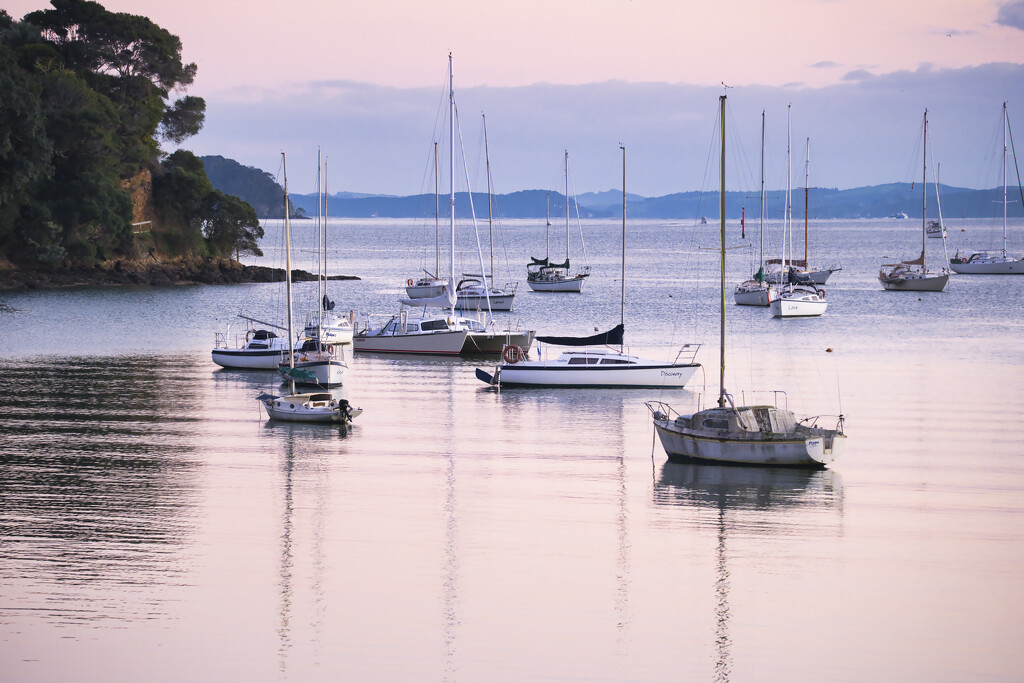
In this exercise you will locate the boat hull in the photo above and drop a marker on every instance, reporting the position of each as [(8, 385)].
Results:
[(424, 291), (993, 267), (241, 359), (498, 302), (486, 343), (322, 372), (447, 343), (535, 373), (796, 308), (811, 451), (750, 296), (309, 408), (567, 285), (917, 284)]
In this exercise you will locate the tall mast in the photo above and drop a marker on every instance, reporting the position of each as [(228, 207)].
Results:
[(451, 168), (288, 268), (319, 222), (567, 206), (490, 229), (924, 186), (787, 217), (622, 298), (761, 263), (437, 221), (1004, 179), (547, 228), (721, 214), (325, 236), (807, 177)]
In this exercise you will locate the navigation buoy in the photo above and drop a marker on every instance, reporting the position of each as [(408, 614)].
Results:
[(828, 350)]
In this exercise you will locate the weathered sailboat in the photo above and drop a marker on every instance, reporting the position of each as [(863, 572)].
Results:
[(758, 434)]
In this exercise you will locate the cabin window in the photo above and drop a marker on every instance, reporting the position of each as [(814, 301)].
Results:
[(412, 327), (431, 325), (390, 327), (584, 360), (256, 345), (716, 423), (614, 361)]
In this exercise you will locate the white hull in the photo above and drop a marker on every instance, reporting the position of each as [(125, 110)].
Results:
[(538, 373), (241, 359), (798, 307), (325, 372), (424, 291), (502, 302), (804, 452), (448, 343), (309, 408), (995, 266), (574, 284)]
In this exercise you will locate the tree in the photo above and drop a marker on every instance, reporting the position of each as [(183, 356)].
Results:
[(183, 119), (231, 225)]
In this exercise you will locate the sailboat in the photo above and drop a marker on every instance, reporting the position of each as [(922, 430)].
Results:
[(796, 299), (756, 291), (430, 285), (473, 292), (258, 349), (590, 362), (308, 407), (544, 275), (986, 262), (759, 434), (418, 331), (913, 276), (324, 324)]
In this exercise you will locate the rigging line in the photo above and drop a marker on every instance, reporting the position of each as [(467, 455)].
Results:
[(472, 210), (579, 225), (1009, 132)]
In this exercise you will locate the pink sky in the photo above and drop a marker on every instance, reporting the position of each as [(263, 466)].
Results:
[(398, 42)]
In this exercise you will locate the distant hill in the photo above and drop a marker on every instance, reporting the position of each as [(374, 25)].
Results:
[(253, 185), (877, 201)]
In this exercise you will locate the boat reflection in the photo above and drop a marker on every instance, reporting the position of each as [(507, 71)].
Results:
[(746, 500)]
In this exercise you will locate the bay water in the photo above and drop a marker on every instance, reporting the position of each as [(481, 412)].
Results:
[(155, 526)]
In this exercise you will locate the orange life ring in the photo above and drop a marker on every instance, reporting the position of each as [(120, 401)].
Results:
[(821, 293), (409, 282), (512, 354)]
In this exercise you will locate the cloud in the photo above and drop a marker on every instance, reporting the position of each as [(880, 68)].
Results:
[(1012, 14), (824, 65), (380, 139)]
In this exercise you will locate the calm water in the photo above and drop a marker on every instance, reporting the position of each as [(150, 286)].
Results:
[(154, 526)]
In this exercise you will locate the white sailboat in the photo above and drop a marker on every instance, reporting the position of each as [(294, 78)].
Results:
[(473, 293), (324, 324), (422, 332), (759, 434), (795, 299), (912, 275), (987, 262), (756, 291), (257, 349), (430, 285), (589, 362), (544, 275), (308, 407)]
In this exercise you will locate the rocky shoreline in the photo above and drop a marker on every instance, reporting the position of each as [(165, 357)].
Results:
[(148, 273)]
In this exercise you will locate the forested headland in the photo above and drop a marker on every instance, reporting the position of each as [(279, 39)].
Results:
[(88, 97)]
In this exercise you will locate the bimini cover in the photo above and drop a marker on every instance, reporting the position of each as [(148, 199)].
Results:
[(611, 337), (545, 263)]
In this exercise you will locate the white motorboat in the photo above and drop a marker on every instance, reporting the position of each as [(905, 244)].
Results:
[(327, 326), (758, 434), (913, 275), (259, 349), (756, 291), (313, 407), (544, 275), (589, 363), (473, 294), (307, 407), (987, 262)]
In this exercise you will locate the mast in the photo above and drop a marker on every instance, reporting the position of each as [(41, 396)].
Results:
[(761, 264), (567, 206), (451, 169), (622, 298), (787, 214), (324, 243), (437, 221), (547, 228), (288, 268), (807, 176), (319, 225), (1004, 179), (721, 214), (924, 187), (490, 228)]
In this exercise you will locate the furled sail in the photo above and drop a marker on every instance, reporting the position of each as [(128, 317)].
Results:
[(611, 337)]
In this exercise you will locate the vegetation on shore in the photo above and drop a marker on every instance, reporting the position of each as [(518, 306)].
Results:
[(88, 97)]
